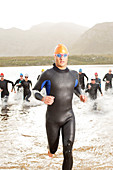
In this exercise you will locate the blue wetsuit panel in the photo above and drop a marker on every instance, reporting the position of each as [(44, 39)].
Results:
[(76, 82), (47, 84)]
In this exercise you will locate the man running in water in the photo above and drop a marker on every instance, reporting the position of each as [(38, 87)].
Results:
[(19, 81), (81, 79), (26, 86), (60, 83), (4, 87), (92, 90), (108, 79), (97, 80)]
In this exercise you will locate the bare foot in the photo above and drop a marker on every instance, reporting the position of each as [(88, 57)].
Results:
[(50, 154)]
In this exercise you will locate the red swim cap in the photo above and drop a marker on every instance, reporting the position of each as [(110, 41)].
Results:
[(96, 74), (2, 75)]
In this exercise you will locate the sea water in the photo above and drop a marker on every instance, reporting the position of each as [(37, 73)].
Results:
[(23, 141)]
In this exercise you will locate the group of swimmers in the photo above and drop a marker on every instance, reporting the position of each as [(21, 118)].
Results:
[(95, 83), (91, 87), (21, 82)]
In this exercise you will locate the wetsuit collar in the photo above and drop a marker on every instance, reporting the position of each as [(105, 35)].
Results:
[(59, 70)]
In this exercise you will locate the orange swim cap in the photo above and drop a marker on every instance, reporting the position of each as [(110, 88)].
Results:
[(61, 49)]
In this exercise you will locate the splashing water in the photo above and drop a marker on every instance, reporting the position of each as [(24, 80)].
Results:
[(23, 140)]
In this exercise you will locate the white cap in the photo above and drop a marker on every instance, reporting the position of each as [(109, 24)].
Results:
[(93, 77), (26, 75)]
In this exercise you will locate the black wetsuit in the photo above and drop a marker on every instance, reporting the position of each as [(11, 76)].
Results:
[(4, 87), (81, 80), (93, 90), (59, 116), (17, 82), (108, 77), (98, 81), (26, 87)]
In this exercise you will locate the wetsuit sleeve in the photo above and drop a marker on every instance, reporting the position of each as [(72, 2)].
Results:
[(39, 85), (77, 89), (16, 82), (86, 76), (104, 78), (100, 83), (87, 90), (11, 83), (31, 83), (99, 89)]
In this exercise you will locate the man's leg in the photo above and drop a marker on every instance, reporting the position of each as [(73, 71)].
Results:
[(27, 96), (110, 86), (4, 102), (106, 87), (83, 86), (6, 99), (68, 135), (53, 134)]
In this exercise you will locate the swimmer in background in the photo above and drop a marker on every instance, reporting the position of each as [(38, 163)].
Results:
[(108, 79), (81, 79), (4, 87), (18, 82), (92, 89), (26, 88), (97, 80)]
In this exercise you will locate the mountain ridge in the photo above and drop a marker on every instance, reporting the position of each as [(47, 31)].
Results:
[(39, 40)]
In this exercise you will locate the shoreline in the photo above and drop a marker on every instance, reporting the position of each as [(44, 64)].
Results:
[(49, 60)]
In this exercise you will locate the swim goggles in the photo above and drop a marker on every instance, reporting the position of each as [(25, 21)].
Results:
[(60, 55)]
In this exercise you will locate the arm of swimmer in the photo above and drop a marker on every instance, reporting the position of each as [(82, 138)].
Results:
[(78, 92), (49, 100)]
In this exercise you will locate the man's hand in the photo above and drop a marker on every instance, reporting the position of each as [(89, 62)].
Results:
[(89, 86), (49, 100), (1, 90), (83, 98), (107, 81)]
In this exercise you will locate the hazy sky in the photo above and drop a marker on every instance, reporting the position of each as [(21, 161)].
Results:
[(26, 13)]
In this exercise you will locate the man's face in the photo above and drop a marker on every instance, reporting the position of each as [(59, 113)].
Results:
[(61, 60), (21, 77), (2, 78), (26, 78), (96, 76), (93, 81), (110, 71)]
